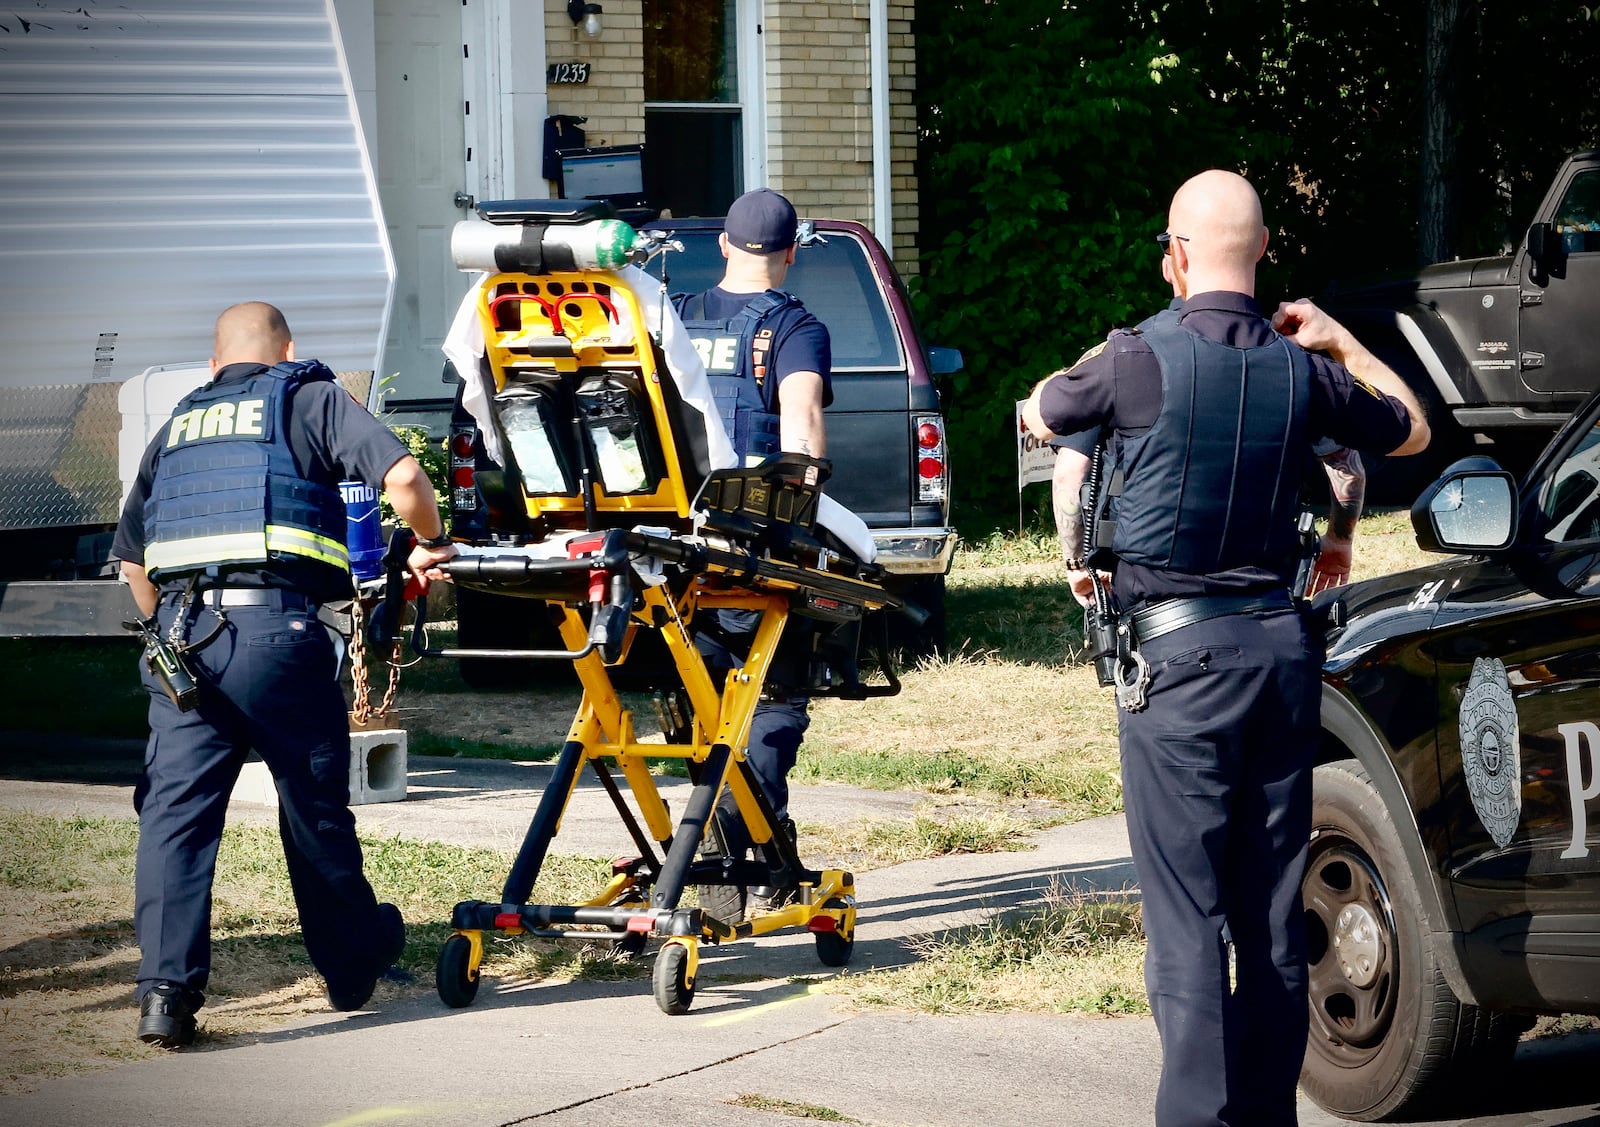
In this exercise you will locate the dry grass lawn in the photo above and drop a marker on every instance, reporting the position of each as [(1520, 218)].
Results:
[(1007, 734)]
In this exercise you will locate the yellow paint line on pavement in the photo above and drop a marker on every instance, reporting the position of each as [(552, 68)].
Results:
[(377, 1115), (799, 996)]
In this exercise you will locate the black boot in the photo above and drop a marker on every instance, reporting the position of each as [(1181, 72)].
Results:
[(768, 897), (166, 1016), (391, 941)]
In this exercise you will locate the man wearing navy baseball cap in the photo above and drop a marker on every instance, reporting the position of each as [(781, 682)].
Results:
[(769, 364), (761, 222)]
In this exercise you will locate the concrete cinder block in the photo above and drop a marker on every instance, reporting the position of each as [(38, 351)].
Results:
[(377, 766), (377, 771)]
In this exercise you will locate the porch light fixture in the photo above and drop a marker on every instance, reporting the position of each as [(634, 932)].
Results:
[(586, 14)]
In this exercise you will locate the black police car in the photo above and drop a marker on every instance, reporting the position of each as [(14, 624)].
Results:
[(1452, 890)]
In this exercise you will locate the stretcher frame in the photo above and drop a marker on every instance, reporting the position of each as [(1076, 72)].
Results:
[(645, 577)]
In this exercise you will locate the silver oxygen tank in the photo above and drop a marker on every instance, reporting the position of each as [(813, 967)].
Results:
[(600, 244)]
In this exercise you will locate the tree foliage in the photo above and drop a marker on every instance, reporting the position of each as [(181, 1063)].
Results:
[(1052, 143), (1053, 135)]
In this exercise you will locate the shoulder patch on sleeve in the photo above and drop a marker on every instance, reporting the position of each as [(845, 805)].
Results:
[(1091, 354), (1365, 386)]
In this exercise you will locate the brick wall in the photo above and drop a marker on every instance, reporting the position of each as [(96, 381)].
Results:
[(613, 98), (819, 108), (819, 102), (903, 134)]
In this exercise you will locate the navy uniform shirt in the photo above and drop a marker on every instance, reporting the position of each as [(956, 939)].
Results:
[(1118, 384), (333, 439), (800, 342)]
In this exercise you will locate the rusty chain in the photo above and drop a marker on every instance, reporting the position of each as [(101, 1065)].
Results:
[(361, 710)]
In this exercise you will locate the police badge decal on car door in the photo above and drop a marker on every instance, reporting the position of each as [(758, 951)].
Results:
[(1491, 757)]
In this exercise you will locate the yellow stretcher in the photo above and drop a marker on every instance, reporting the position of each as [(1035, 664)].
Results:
[(616, 522)]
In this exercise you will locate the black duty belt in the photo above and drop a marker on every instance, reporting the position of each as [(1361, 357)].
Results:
[(279, 598), (1156, 619)]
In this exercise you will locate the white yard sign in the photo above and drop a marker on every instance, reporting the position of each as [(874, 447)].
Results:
[(1036, 461)]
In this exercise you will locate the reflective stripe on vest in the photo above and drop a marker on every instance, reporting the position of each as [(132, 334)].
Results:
[(1214, 484), (226, 489), (244, 547)]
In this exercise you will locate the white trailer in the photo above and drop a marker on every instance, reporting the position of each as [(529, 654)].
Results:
[(159, 161)]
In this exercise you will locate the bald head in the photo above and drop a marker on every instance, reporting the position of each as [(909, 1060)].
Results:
[(251, 332), (1219, 215)]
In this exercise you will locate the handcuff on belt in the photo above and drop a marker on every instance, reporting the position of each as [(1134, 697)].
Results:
[(1132, 671)]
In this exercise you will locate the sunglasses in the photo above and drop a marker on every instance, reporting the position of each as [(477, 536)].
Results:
[(1165, 239)]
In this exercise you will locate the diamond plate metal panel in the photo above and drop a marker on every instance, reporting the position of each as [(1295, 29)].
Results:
[(58, 456)]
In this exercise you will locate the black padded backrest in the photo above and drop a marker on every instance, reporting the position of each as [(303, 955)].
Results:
[(510, 212)]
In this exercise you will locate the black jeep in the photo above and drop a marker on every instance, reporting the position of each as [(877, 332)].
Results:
[(1504, 346)]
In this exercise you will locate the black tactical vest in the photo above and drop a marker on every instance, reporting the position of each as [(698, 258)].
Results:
[(1214, 484), (227, 491)]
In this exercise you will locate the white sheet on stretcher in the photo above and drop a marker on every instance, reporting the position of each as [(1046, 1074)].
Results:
[(463, 346)]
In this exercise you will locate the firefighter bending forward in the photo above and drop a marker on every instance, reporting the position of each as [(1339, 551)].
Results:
[(232, 539), (1218, 715), (769, 364)]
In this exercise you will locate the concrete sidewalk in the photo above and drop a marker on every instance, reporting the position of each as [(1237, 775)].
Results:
[(603, 1053)]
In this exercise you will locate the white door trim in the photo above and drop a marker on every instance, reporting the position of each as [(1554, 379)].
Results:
[(751, 17), (504, 70)]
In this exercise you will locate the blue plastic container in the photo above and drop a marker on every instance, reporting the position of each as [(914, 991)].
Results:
[(363, 534)]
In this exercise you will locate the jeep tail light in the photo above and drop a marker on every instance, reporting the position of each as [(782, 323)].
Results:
[(933, 472), (463, 469)]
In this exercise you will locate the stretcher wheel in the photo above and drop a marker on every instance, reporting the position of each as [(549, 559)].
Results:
[(834, 948), (455, 975), (670, 979)]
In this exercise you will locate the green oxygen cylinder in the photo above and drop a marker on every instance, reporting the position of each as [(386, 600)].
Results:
[(600, 244)]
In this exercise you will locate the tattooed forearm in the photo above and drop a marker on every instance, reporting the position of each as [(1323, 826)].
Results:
[(1069, 527), (1347, 482), (1065, 486)]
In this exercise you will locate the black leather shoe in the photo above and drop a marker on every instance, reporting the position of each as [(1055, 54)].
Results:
[(766, 898), (166, 1017), (391, 942)]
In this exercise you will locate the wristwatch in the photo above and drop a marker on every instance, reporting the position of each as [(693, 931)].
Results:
[(440, 541), (1077, 563)]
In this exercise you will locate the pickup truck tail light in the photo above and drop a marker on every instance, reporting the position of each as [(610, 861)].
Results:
[(933, 470), (463, 469)]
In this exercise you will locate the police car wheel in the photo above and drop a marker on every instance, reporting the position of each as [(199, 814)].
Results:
[(1387, 1034)]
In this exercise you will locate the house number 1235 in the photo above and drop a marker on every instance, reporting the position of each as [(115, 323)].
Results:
[(561, 74)]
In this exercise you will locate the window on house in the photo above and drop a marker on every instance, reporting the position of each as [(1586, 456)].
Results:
[(692, 125)]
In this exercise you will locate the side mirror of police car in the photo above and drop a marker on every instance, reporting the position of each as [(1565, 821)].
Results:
[(1471, 508)]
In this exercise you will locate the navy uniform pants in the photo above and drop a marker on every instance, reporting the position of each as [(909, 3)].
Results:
[(1216, 777), (778, 726), (268, 682)]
